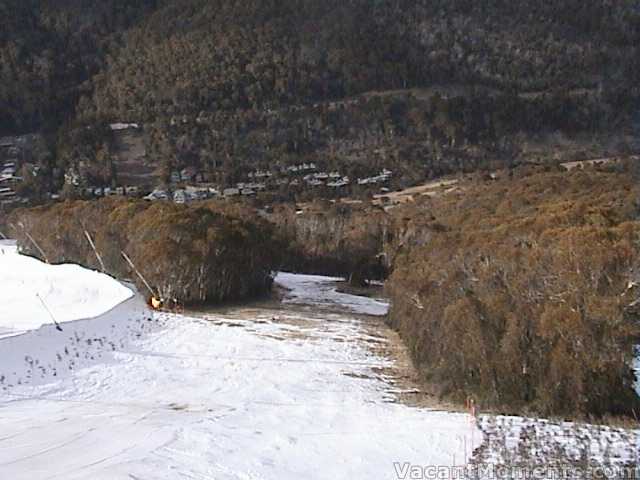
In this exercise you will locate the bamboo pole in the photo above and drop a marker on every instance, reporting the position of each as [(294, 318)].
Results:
[(58, 327), (44, 255), (95, 250), (126, 257)]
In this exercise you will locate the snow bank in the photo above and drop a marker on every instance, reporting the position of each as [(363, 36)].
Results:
[(321, 291), (8, 246), (70, 292), (47, 355)]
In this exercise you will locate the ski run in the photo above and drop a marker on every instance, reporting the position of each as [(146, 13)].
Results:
[(249, 393)]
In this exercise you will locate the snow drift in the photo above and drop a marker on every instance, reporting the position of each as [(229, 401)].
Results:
[(28, 287)]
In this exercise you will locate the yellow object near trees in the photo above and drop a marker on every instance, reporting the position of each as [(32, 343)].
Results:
[(156, 303)]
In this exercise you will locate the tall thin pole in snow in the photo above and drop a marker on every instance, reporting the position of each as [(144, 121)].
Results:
[(44, 255), (126, 257), (31, 239), (95, 250), (58, 327)]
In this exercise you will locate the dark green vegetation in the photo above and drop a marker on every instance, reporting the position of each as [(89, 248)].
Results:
[(196, 254), (422, 87)]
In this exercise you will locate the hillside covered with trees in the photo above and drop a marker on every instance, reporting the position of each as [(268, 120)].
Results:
[(422, 87), (518, 285)]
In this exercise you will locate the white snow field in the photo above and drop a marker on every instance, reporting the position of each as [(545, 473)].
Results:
[(314, 291), (28, 287), (247, 394)]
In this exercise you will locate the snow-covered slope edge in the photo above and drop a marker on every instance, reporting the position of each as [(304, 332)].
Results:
[(44, 355), (98, 315), (32, 292)]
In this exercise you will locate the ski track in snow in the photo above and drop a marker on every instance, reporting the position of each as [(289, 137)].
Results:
[(254, 394), (317, 291)]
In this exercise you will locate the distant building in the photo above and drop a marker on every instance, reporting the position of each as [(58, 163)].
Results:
[(7, 180), (180, 196), (187, 174), (231, 192), (116, 127), (157, 194), (343, 182), (197, 193), (383, 177)]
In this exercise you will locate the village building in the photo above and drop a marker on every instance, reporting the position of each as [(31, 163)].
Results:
[(231, 192), (7, 195), (180, 196), (197, 193), (343, 182), (116, 127), (157, 194), (187, 174)]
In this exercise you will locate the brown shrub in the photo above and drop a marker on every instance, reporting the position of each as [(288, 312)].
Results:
[(524, 305), (196, 254)]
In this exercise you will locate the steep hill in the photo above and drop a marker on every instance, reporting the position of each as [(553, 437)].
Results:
[(427, 87)]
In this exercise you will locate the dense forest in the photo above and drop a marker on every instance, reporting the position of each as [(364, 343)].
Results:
[(518, 288), (523, 290), (425, 87), (204, 254)]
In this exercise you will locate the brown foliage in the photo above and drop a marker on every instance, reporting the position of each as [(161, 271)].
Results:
[(334, 239), (197, 254), (521, 299)]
